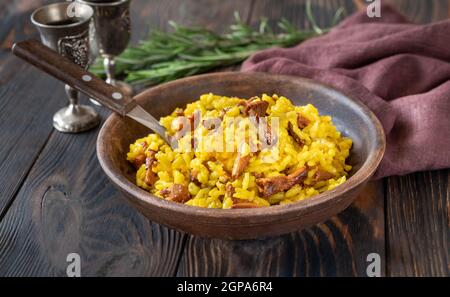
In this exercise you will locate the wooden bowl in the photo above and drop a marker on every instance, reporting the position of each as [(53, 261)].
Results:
[(350, 116)]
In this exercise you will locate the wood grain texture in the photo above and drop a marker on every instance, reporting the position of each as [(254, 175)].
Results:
[(56, 210), (422, 11), (337, 247), (67, 206), (416, 11), (418, 208), (21, 86), (295, 11), (15, 16), (214, 15)]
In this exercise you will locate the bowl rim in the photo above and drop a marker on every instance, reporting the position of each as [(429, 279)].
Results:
[(254, 216)]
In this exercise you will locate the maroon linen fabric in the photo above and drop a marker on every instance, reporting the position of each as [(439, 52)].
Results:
[(400, 70)]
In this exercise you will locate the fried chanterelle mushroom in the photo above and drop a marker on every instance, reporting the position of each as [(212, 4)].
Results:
[(272, 185)]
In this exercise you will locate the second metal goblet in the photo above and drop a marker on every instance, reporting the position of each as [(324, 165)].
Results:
[(111, 35), (69, 36)]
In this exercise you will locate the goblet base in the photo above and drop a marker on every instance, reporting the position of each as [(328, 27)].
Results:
[(75, 119)]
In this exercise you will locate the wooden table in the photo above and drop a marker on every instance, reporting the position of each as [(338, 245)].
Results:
[(55, 199)]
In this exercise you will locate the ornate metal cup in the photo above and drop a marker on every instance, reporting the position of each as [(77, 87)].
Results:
[(112, 30), (69, 35)]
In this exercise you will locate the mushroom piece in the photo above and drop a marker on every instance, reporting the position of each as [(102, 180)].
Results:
[(150, 176), (272, 185), (177, 193), (269, 137), (255, 107), (322, 175), (302, 122), (193, 177), (139, 160), (229, 190), (240, 163), (294, 135)]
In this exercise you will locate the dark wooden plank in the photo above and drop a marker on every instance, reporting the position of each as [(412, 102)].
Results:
[(215, 15), (27, 102), (25, 123), (66, 204), (422, 11), (28, 249), (337, 247), (418, 224), (15, 21), (295, 11), (417, 11)]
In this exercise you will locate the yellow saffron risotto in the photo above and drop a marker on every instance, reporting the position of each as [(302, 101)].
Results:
[(223, 165)]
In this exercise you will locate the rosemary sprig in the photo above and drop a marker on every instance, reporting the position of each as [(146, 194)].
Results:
[(192, 50)]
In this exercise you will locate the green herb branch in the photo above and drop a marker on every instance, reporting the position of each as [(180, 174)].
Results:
[(192, 50)]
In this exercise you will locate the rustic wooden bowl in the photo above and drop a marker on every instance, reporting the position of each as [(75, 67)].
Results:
[(351, 117)]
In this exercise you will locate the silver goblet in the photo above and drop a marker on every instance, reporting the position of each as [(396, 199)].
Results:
[(111, 35), (69, 36)]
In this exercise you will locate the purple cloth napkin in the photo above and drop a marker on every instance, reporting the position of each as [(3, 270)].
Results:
[(400, 70)]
